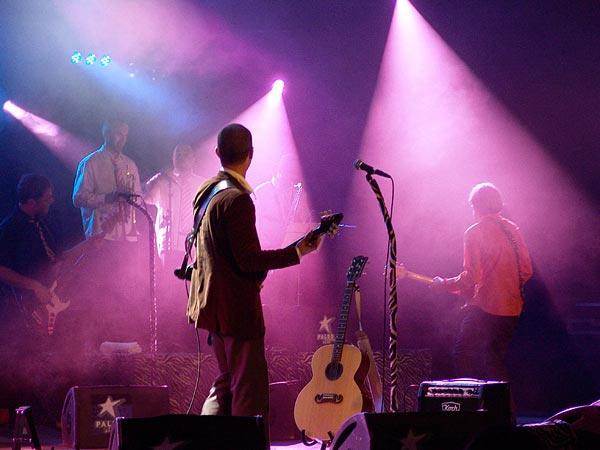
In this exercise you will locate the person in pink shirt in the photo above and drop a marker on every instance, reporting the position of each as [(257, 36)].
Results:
[(496, 266)]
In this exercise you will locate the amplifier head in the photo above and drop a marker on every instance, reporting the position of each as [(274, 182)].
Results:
[(466, 394)]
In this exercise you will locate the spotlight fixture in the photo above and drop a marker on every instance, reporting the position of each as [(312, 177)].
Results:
[(76, 57), (16, 111), (90, 59), (105, 60), (278, 87)]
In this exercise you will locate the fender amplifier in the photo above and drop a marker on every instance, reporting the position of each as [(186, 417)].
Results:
[(466, 394)]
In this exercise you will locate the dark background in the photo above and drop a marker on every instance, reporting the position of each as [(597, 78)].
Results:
[(541, 59)]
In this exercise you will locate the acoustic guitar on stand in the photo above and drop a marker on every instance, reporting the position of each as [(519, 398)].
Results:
[(336, 390)]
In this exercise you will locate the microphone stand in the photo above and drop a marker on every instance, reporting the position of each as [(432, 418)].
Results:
[(392, 300), (153, 309)]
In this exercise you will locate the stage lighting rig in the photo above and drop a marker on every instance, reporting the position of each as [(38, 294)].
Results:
[(91, 59)]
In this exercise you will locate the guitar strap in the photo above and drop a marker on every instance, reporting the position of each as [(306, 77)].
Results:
[(513, 244), (184, 272), (364, 345)]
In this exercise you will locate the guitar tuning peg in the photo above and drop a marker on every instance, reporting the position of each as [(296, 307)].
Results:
[(366, 269)]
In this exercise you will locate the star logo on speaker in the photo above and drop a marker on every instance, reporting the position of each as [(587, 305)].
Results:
[(411, 441), (110, 407), (167, 445)]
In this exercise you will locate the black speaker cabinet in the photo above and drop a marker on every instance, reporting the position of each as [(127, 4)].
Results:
[(465, 394), (281, 416), (89, 411), (189, 432), (412, 430)]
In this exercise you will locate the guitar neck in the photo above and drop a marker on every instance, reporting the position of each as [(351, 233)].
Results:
[(340, 335), (326, 223), (418, 277)]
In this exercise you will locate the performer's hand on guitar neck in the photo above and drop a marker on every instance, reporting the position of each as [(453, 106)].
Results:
[(438, 285), (308, 244)]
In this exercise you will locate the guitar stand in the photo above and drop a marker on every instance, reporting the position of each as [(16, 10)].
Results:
[(310, 442), (25, 432)]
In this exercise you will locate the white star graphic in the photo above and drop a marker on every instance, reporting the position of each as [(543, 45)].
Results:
[(108, 407), (410, 442), (326, 324), (166, 445)]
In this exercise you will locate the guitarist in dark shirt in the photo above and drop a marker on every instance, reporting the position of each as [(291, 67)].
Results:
[(36, 271), (27, 248), (28, 253)]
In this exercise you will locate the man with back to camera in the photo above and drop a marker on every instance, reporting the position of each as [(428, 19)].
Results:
[(496, 266), (228, 273)]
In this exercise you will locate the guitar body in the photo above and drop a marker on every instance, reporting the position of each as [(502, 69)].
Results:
[(65, 274), (45, 315), (326, 402)]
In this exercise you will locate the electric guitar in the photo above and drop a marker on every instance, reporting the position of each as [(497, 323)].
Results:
[(44, 315), (335, 391), (50, 310)]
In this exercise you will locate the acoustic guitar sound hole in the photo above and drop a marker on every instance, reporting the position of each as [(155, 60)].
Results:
[(334, 371)]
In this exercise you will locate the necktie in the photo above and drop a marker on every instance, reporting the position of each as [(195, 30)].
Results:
[(49, 252), (119, 173)]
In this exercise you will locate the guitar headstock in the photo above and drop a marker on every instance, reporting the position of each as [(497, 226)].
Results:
[(356, 268), (329, 223)]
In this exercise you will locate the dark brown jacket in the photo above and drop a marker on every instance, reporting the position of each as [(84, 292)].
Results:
[(230, 265)]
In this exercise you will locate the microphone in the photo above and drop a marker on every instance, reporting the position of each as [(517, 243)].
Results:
[(359, 165)]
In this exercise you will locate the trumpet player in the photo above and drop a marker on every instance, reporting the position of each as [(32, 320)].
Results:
[(105, 180)]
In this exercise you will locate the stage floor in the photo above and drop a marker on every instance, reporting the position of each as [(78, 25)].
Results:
[(50, 438)]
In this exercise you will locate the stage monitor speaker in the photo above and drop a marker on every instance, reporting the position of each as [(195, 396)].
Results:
[(466, 394), (89, 411), (411, 430), (533, 436), (189, 432)]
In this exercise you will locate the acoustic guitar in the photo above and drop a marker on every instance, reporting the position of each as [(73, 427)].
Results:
[(335, 391)]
